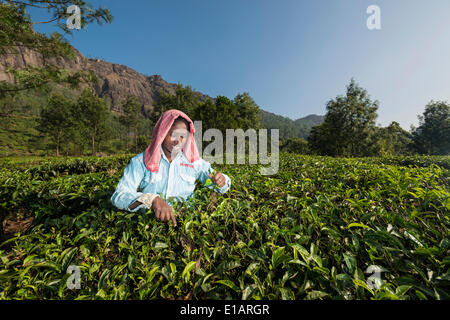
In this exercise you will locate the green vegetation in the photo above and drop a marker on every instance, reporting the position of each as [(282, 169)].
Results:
[(18, 135), (433, 134), (347, 131), (16, 32), (75, 122), (308, 232), (56, 120), (132, 118), (295, 145), (23, 100), (92, 113), (289, 128), (222, 113)]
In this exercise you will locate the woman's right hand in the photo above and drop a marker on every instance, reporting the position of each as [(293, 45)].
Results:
[(163, 211)]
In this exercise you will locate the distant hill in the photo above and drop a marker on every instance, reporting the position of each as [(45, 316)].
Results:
[(116, 81), (289, 128)]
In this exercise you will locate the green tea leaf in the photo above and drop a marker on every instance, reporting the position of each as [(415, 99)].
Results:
[(101, 281), (68, 259), (186, 272), (160, 245), (229, 284)]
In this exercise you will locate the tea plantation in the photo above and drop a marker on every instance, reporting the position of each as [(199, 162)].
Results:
[(315, 230)]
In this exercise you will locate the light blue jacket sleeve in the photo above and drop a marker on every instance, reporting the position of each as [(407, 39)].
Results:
[(126, 191), (204, 170)]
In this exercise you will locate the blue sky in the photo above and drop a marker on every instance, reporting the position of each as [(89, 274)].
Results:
[(291, 56)]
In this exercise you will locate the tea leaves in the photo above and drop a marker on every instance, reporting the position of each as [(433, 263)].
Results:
[(315, 230)]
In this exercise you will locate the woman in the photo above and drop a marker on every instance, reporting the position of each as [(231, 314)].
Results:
[(169, 167)]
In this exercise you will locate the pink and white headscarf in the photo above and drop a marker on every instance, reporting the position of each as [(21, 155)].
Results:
[(152, 155)]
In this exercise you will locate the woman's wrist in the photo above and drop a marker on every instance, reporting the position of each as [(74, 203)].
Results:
[(147, 199), (134, 205)]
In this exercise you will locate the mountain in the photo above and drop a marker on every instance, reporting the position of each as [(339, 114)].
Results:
[(116, 81), (289, 128)]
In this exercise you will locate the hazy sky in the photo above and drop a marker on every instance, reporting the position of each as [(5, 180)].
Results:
[(291, 56)]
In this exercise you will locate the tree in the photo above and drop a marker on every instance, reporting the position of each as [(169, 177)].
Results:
[(118, 134), (132, 117), (317, 141), (184, 99), (393, 140), (433, 134), (220, 113), (207, 113), (295, 145), (223, 113), (56, 120), (249, 112), (8, 106), (16, 34), (286, 126), (144, 133), (349, 125), (92, 114), (226, 115)]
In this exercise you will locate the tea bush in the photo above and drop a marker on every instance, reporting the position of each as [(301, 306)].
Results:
[(309, 232)]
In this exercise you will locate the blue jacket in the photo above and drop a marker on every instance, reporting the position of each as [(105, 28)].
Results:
[(175, 179)]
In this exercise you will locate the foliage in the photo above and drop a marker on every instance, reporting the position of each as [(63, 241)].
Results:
[(433, 134), (16, 34), (248, 111), (132, 117), (220, 113), (56, 120), (184, 99), (17, 31), (295, 145), (18, 135), (289, 128), (393, 140), (308, 232), (349, 125), (92, 114)]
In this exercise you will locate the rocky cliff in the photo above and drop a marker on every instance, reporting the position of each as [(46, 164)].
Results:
[(116, 81)]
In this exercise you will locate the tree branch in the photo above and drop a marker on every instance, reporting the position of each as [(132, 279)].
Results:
[(45, 21)]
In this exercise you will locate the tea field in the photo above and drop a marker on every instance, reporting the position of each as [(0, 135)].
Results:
[(312, 231)]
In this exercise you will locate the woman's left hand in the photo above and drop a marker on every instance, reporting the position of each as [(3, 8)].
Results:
[(218, 179)]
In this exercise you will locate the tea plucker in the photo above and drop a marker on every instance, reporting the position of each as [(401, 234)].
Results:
[(168, 167)]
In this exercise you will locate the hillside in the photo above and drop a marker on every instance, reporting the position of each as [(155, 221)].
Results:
[(116, 81), (289, 128)]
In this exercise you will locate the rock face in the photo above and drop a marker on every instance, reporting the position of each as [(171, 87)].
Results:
[(115, 81)]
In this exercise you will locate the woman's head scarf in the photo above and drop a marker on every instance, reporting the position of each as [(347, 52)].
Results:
[(152, 155)]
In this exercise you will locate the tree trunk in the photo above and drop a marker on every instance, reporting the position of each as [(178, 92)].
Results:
[(1, 227), (93, 142), (135, 139), (57, 144), (93, 145)]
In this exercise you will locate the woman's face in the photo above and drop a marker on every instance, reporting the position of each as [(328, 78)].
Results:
[(176, 138)]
